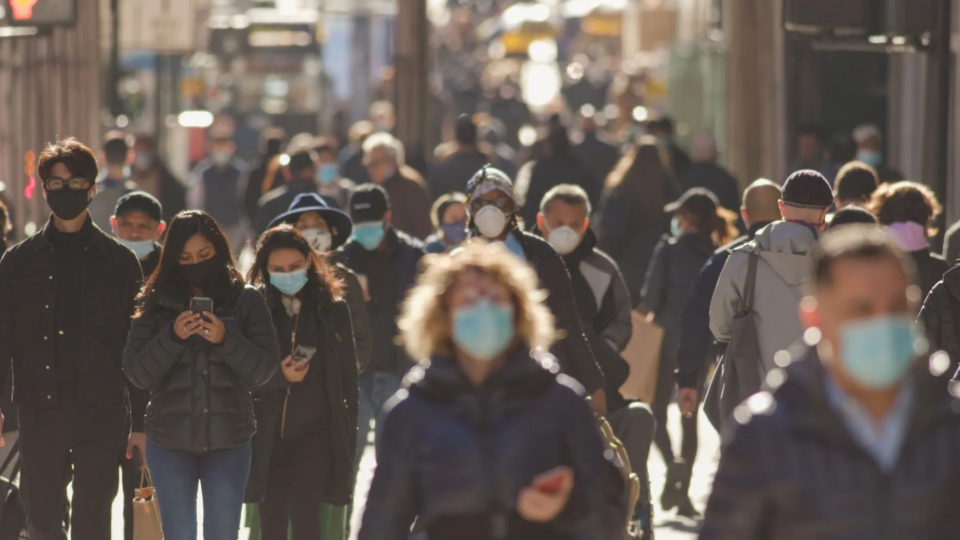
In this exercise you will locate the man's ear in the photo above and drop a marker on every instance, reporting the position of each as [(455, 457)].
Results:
[(162, 227), (93, 191), (113, 224), (586, 225), (745, 216), (541, 222), (387, 218)]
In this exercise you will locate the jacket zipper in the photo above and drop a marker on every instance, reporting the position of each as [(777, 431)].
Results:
[(286, 398), (498, 522)]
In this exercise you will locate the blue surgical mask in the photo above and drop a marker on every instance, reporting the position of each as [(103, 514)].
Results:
[(289, 283), (870, 157), (142, 248), (675, 229), (483, 330), (369, 235), (664, 142), (326, 174), (455, 233), (878, 352)]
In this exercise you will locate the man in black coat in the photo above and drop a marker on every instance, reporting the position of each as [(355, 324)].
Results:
[(303, 179), (453, 173), (856, 437), (595, 151), (492, 207), (68, 295), (706, 173), (386, 263)]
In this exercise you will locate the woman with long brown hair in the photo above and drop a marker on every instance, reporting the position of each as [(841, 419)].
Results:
[(632, 218), (698, 227), (307, 413)]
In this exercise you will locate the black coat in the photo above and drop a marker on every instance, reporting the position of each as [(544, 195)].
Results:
[(535, 179), (600, 156), (792, 470), (715, 178), (930, 269), (453, 173), (278, 200), (940, 316), (200, 396), (333, 372), (111, 280), (390, 274), (454, 456), (572, 351)]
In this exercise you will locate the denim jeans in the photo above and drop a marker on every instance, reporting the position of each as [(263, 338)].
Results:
[(221, 474), (376, 387)]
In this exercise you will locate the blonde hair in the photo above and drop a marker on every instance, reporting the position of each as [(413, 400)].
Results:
[(425, 321)]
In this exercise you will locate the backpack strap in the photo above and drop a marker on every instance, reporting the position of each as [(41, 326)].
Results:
[(750, 284)]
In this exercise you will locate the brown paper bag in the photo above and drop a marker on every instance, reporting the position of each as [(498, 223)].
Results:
[(643, 355), (146, 511)]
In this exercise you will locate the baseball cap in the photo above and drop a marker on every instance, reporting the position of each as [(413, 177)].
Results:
[(139, 201), (807, 189), (699, 201), (369, 202)]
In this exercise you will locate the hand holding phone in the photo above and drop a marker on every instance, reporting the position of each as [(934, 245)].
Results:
[(199, 304), (547, 495)]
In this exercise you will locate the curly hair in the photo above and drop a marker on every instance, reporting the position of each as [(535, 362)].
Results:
[(425, 320), (905, 201)]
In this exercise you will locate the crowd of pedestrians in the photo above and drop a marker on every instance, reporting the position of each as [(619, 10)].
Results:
[(481, 326)]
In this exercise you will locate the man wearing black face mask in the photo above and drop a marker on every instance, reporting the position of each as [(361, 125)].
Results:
[(68, 295)]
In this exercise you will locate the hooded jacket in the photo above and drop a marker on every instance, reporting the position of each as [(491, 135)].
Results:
[(784, 248), (455, 456), (940, 316), (793, 471)]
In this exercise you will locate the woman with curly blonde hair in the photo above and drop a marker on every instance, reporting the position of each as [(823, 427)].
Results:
[(485, 440)]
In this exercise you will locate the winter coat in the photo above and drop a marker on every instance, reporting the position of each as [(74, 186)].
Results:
[(604, 306), (453, 173), (573, 351), (673, 273), (694, 349), (600, 156), (715, 178), (220, 191), (353, 296), (410, 202), (940, 316), (930, 269), (200, 398), (793, 471), (455, 456), (278, 200), (951, 245), (629, 234), (536, 178), (333, 373), (390, 274), (784, 249)]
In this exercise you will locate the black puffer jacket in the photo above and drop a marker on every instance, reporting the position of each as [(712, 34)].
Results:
[(940, 315), (200, 393), (457, 456), (332, 376), (792, 471)]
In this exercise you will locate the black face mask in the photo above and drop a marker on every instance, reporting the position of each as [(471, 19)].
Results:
[(68, 203), (200, 275)]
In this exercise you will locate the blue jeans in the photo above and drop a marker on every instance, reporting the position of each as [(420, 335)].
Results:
[(221, 474), (376, 387)]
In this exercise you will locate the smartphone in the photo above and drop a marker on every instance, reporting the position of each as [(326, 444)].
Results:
[(199, 304), (303, 354), (551, 481)]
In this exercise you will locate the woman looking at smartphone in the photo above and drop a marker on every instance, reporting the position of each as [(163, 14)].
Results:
[(486, 440), (199, 369), (306, 414)]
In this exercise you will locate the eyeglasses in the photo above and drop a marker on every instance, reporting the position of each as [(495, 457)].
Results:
[(76, 183)]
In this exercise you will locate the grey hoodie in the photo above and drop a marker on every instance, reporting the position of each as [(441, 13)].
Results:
[(784, 267)]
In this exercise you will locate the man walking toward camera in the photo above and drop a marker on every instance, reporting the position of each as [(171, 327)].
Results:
[(68, 294)]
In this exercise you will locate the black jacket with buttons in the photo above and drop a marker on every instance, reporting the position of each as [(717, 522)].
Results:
[(110, 277), (200, 397)]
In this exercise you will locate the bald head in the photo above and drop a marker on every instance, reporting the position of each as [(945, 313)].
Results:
[(761, 202)]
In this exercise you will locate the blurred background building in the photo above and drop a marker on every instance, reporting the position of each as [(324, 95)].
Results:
[(753, 72)]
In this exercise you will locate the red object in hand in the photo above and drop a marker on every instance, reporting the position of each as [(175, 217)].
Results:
[(550, 482)]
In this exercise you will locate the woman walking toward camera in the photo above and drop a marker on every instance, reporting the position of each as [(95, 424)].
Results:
[(307, 413), (199, 369), (485, 440)]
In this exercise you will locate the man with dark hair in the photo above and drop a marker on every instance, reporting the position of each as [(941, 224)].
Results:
[(151, 174), (854, 417), (783, 252), (855, 184), (218, 186), (333, 187), (811, 152), (454, 171), (662, 129), (115, 181), (850, 215), (603, 303), (68, 295), (301, 164), (385, 260), (271, 143)]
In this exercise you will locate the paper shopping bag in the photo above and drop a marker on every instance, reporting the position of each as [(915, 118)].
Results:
[(146, 511), (643, 355)]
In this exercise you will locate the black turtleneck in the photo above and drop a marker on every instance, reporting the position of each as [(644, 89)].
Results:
[(68, 250)]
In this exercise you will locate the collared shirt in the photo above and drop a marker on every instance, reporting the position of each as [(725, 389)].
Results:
[(883, 440), (513, 244)]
